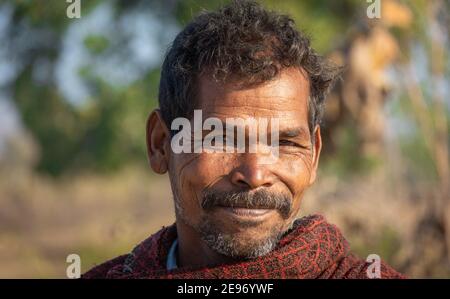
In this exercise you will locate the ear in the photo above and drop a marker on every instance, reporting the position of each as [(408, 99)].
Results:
[(317, 147), (158, 142)]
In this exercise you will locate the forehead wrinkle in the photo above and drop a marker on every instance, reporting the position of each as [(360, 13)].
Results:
[(285, 88), (285, 98), (256, 104), (283, 115), (273, 110)]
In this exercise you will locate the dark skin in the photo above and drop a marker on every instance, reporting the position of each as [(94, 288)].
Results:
[(285, 98)]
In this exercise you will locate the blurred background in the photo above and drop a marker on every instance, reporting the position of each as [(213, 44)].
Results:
[(75, 94)]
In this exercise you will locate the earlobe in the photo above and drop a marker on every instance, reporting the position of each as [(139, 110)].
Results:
[(157, 138), (163, 168)]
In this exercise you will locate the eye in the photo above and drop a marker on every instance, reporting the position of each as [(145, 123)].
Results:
[(292, 144), (288, 143)]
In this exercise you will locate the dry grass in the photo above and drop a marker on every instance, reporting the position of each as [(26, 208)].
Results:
[(96, 217)]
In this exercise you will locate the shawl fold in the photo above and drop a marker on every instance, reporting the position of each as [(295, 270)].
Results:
[(313, 248)]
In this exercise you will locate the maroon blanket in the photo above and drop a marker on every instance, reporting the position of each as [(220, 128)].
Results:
[(312, 249)]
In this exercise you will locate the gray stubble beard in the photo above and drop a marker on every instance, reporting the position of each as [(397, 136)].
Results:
[(227, 244)]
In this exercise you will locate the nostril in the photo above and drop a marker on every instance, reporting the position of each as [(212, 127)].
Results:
[(242, 183)]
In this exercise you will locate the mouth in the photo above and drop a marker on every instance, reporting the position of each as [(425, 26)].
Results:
[(244, 212)]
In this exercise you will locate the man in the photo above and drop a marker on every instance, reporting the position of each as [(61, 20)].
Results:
[(236, 209)]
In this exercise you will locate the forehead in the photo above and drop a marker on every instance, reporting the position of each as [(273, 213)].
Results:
[(285, 97)]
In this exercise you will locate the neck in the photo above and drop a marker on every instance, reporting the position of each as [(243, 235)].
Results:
[(192, 250)]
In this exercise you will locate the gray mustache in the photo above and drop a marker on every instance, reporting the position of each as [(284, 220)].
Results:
[(261, 199)]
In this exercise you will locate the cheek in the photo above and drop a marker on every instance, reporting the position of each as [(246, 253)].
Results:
[(207, 169), (195, 172), (295, 172)]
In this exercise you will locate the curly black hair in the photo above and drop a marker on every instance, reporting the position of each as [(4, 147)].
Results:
[(245, 41)]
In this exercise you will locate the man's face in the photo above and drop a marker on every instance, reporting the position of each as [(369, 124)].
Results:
[(237, 202)]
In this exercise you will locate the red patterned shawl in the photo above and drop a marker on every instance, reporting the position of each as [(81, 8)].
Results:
[(312, 249)]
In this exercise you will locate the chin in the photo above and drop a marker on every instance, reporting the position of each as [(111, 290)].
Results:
[(241, 238), (243, 247)]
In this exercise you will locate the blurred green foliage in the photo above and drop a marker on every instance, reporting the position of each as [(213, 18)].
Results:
[(107, 130), (96, 44)]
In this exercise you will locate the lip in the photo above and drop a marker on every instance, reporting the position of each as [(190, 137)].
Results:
[(246, 212)]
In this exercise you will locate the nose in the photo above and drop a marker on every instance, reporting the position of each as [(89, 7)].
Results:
[(250, 174)]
